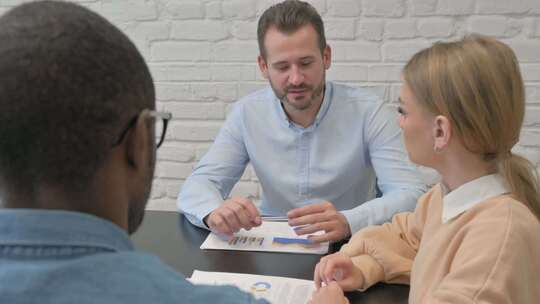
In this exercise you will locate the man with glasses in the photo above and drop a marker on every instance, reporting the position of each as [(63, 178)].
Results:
[(77, 156)]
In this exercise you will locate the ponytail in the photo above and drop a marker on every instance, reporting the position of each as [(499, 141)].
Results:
[(523, 180)]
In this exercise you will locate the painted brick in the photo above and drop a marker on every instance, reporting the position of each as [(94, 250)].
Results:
[(400, 29), (147, 31), (339, 29), (191, 131), (530, 72), (162, 204), (532, 117), (214, 91), (244, 30), (492, 26), (173, 92), (172, 188), (536, 28), (532, 92), (206, 30), (340, 72), (180, 72), (235, 51), (175, 152), (505, 7), (319, 5), (238, 9), (197, 110), (343, 8), (262, 5), (213, 10), (385, 72), (529, 137), (402, 51), (384, 8), (245, 88), (180, 51), (174, 169), (129, 10), (233, 72), (347, 51), (423, 7), (456, 7), (158, 190), (526, 50), (435, 28), (370, 30), (184, 9)]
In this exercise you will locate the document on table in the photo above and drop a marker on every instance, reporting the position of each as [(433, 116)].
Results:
[(274, 289), (270, 237)]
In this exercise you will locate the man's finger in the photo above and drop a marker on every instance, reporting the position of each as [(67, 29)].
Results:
[(326, 237), (309, 209), (309, 219), (252, 211)]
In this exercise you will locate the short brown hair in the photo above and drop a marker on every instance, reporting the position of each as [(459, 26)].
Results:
[(288, 16)]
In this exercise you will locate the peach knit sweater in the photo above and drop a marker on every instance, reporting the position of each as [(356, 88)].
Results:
[(490, 253)]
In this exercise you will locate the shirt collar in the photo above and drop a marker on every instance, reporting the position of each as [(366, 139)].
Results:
[(327, 100), (60, 228), (470, 194)]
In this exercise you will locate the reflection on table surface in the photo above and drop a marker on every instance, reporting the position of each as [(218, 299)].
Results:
[(170, 236)]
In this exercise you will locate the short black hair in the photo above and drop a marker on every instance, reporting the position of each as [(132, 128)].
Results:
[(289, 16), (69, 82)]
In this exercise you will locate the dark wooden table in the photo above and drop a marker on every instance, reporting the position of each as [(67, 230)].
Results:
[(170, 236)]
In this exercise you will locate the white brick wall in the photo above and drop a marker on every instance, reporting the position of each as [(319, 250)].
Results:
[(202, 54)]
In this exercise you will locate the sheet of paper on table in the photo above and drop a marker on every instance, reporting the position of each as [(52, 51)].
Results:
[(274, 289), (270, 237)]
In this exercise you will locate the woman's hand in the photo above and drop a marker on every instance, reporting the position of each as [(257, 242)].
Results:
[(338, 267), (330, 294)]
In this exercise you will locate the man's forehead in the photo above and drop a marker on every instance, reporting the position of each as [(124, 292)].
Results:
[(302, 43)]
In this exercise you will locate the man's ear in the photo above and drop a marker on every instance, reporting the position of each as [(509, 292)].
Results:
[(263, 66), (137, 142), (327, 57), (442, 133)]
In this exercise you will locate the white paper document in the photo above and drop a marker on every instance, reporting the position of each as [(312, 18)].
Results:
[(274, 289), (270, 236)]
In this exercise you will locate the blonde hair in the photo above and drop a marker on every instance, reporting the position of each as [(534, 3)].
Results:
[(477, 84)]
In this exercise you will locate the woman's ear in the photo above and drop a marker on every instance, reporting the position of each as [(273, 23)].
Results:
[(442, 133)]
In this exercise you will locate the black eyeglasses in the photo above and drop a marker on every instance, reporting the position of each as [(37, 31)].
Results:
[(162, 120)]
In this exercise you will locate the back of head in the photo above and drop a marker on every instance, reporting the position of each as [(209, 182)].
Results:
[(289, 16), (69, 82), (477, 84)]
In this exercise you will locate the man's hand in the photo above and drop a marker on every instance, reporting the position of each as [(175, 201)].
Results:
[(322, 216), (234, 214), (329, 295), (340, 269)]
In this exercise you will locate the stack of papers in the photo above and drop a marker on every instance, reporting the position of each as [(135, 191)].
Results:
[(271, 236), (273, 289)]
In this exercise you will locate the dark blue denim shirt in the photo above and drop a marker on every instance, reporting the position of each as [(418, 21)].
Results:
[(51, 256)]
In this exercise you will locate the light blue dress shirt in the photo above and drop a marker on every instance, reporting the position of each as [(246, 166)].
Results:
[(62, 257), (353, 144)]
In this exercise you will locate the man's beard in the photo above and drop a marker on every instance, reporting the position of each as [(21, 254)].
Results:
[(315, 94)]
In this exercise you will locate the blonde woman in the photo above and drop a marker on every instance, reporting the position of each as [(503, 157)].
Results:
[(474, 237)]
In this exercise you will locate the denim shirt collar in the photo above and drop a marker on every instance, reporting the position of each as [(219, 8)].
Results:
[(327, 100), (60, 228)]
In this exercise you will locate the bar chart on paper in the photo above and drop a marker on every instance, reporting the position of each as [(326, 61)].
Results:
[(270, 237)]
